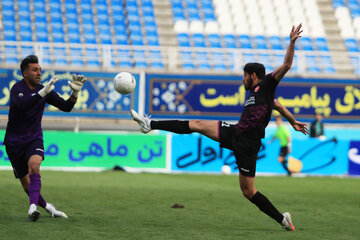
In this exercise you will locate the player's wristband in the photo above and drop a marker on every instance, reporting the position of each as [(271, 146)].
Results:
[(75, 94)]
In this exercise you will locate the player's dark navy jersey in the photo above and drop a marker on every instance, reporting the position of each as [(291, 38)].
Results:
[(257, 108), (26, 111)]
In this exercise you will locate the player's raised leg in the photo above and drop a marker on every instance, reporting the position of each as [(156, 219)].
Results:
[(206, 128)]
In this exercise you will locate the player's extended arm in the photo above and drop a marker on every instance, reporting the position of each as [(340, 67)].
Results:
[(280, 72), (298, 126)]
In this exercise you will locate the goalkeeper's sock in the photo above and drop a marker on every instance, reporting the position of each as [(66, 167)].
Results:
[(175, 126), (34, 188), (42, 203), (266, 206)]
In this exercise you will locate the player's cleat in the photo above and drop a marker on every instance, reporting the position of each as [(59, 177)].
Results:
[(34, 214), (143, 121), (287, 223), (53, 212)]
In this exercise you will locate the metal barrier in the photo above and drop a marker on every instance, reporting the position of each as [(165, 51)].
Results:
[(95, 57)]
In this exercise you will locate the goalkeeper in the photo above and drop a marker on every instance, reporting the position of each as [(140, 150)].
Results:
[(24, 137)]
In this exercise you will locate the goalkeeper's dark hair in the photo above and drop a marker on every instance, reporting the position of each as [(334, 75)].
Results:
[(256, 68), (26, 61)]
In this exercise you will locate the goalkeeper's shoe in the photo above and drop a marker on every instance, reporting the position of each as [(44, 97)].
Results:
[(53, 212), (143, 121), (287, 223), (34, 214)]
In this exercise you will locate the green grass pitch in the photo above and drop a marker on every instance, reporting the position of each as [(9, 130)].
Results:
[(118, 205)]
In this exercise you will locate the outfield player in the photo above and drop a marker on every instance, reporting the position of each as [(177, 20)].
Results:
[(283, 134), (244, 138), (24, 137)]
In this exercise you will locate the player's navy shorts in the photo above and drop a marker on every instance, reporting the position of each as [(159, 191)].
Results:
[(283, 151), (20, 155), (245, 149)]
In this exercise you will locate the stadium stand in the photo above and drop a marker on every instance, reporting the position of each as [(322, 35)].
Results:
[(176, 35)]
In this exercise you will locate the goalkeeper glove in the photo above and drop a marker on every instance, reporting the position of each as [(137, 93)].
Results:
[(48, 87), (76, 84)]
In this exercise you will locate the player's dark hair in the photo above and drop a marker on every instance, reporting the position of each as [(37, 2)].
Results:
[(25, 62), (256, 68)]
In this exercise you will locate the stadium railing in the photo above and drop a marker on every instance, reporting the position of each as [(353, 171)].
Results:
[(96, 57)]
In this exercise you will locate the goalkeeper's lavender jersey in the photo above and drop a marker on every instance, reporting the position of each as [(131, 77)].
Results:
[(26, 111)]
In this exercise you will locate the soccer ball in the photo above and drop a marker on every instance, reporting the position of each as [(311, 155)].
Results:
[(225, 169), (124, 83)]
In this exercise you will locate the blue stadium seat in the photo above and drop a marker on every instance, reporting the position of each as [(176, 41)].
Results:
[(120, 28), (249, 57), (140, 59), (351, 45), (119, 18), (229, 41), (105, 38), (89, 38), (45, 56), (178, 14), (26, 36), (136, 39), (306, 44), (278, 59), (152, 40), (26, 51), (74, 36), (24, 12), (202, 60), (321, 44), (187, 60), (245, 41), (156, 59), (312, 64), (70, 4), (327, 64), (260, 42), (121, 39), (41, 26), (39, 4), (214, 40), (150, 28), (218, 60), (193, 14), (338, 3), (11, 54), (42, 37), (198, 40), (92, 57), (58, 37), (183, 39), (76, 57), (208, 12), (60, 56), (54, 4), (124, 58), (265, 59), (275, 43), (103, 19), (135, 28), (10, 35)]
